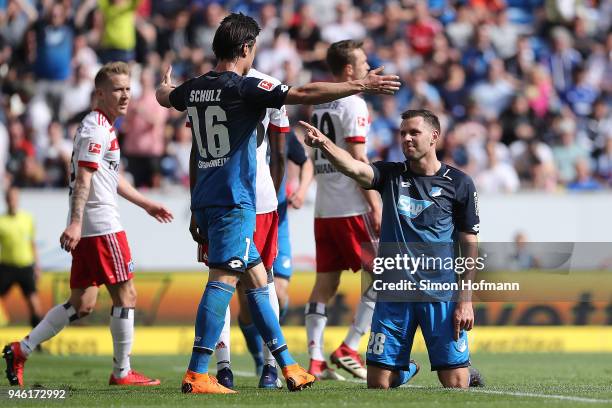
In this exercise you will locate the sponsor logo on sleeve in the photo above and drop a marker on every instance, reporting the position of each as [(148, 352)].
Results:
[(265, 85), (94, 148), (361, 121)]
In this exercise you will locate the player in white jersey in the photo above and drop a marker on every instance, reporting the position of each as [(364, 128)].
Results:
[(270, 170), (94, 235), (347, 218)]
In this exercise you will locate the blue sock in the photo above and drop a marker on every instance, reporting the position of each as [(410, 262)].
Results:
[(253, 341), (404, 375), (267, 325), (282, 314), (209, 323)]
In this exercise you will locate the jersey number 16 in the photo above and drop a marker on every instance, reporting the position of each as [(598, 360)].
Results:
[(217, 137)]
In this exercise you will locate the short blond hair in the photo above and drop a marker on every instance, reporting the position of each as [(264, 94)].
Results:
[(109, 69)]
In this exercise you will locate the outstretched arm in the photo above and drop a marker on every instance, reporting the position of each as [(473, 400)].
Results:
[(322, 92), (342, 160), (154, 209)]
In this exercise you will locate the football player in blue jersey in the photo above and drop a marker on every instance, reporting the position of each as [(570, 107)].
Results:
[(224, 108), (425, 202)]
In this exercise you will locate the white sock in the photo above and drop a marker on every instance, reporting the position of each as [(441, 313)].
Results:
[(122, 330), (222, 351), (361, 321), (268, 357), (316, 319), (54, 321)]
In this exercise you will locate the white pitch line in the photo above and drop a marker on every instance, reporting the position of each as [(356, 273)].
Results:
[(474, 390)]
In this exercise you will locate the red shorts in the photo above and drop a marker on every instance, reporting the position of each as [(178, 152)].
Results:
[(100, 260), (344, 243), (265, 240)]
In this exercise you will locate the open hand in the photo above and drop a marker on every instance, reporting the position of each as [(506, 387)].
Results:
[(159, 212), (381, 84)]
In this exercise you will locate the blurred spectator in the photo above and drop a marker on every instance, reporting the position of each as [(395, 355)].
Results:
[(4, 153), (498, 177), (144, 141), (119, 35), (478, 56), (461, 30), (346, 25), (18, 16), (454, 92), (581, 95), (421, 33), (604, 163), (563, 60), (57, 160), (494, 94), (584, 180), (178, 153), (204, 31), (54, 39), (272, 60), (269, 23), (22, 165), (76, 96), (384, 126), (568, 152), (529, 154), (521, 63), (306, 35), (539, 91), (504, 35)]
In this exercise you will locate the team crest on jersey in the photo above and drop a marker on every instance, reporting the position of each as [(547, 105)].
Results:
[(265, 85), (94, 148), (410, 207), (361, 121), (436, 191)]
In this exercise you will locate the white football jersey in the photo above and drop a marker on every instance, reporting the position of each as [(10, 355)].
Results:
[(96, 146), (343, 121), (274, 119)]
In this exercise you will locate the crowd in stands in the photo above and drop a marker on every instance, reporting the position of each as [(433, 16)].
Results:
[(522, 87)]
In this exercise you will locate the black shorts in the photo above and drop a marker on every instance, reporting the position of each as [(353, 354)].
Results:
[(22, 276), (142, 168)]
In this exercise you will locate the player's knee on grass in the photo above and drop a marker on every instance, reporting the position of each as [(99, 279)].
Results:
[(454, 378), (379, 378)]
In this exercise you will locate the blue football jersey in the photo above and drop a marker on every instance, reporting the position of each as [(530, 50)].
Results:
[(422, 216), (224, 109)]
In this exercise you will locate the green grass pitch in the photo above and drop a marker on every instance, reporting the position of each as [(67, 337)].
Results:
[(525, 380)]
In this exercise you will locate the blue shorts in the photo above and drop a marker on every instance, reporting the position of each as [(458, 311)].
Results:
[(394, 325), (229, 231), (282, 265)]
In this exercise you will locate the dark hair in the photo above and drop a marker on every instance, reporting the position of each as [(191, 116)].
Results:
[(430, 118), (235, 31), (340, 54)]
